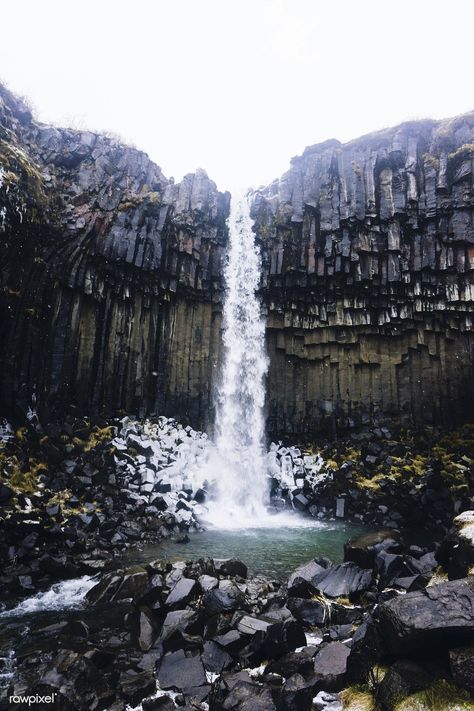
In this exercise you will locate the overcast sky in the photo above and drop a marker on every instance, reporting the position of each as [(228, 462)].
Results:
[(238, 86)]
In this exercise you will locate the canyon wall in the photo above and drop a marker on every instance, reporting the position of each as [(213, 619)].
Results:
[(368, 279), (111, 278), (110, 275)]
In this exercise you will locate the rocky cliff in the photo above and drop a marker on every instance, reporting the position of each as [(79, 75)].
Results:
[(368, 279), (109, 274), (111, 277)]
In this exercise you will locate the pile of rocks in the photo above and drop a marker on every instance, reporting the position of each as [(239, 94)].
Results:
[(383, 477), (201, 635)]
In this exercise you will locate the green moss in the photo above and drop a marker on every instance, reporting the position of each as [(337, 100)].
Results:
[(98, 436), (432, 161), (442, 696), (464, 151)]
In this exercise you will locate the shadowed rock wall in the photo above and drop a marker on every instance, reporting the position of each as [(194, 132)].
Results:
[(111, 277), (110, 274), (368, 279)]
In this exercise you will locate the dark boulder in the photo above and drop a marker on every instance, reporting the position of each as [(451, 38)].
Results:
[(440, 616), (402, 679), (218, 600), (363, 549), (137, 686), (456, 553), (346, 579), (181, 593), (249, 696), (232, 567), (178, 671), (302, 581), (310, 612), (330, 667), (215, 658)]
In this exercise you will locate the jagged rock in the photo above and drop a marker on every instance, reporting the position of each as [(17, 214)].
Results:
[(138, 686), (214, 658), (344, 579), (184, 590), (187, 674), (441, 615), (248, 696), (232, 567), (363, 549), (217, 600), (302, 582), (330, 667), (310, 612)]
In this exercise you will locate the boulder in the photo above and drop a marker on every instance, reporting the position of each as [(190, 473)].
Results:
[(215, 658), (346, 579), (249, 696), (310, 612), (232, 567), (217, 600), (181, 593), (177, 671), (330, 667), (441, 616), (456, 553), (303, 579), (363, 549)]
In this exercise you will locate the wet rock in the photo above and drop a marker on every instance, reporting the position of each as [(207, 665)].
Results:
[(330, 667), (182, 592), (461, 663), (302, 582), (215, 658), (232, 567), (180, 672), (216, 601), (363, 549), (310, 612), (119, 586), (346, 579)]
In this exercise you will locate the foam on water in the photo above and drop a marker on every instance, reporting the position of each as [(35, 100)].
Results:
[(68, 594)]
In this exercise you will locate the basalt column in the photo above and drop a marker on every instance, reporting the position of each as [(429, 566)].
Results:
[(111, 275), (368, 279)]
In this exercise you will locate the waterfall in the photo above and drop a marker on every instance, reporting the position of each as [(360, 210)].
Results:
[(239, 461)]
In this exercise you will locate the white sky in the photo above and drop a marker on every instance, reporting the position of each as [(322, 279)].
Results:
[(238, 86)]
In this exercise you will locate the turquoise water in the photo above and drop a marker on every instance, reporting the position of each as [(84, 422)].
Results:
[(274, 552)]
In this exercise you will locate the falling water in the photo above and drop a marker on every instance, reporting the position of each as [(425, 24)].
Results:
[(239, 462)]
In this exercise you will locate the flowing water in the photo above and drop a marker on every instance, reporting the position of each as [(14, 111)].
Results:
[(238, 461)]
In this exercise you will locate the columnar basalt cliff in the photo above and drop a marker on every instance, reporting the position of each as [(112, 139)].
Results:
[(368, 279), (110, 274)]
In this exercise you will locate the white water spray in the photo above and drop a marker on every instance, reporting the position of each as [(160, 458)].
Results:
[(238, 461)]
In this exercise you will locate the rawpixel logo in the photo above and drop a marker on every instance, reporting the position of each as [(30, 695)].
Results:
[(30, 700)]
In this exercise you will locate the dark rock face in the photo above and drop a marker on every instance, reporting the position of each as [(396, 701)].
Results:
[(441, 615), (109, 273), (368, 278), (111, 282)]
